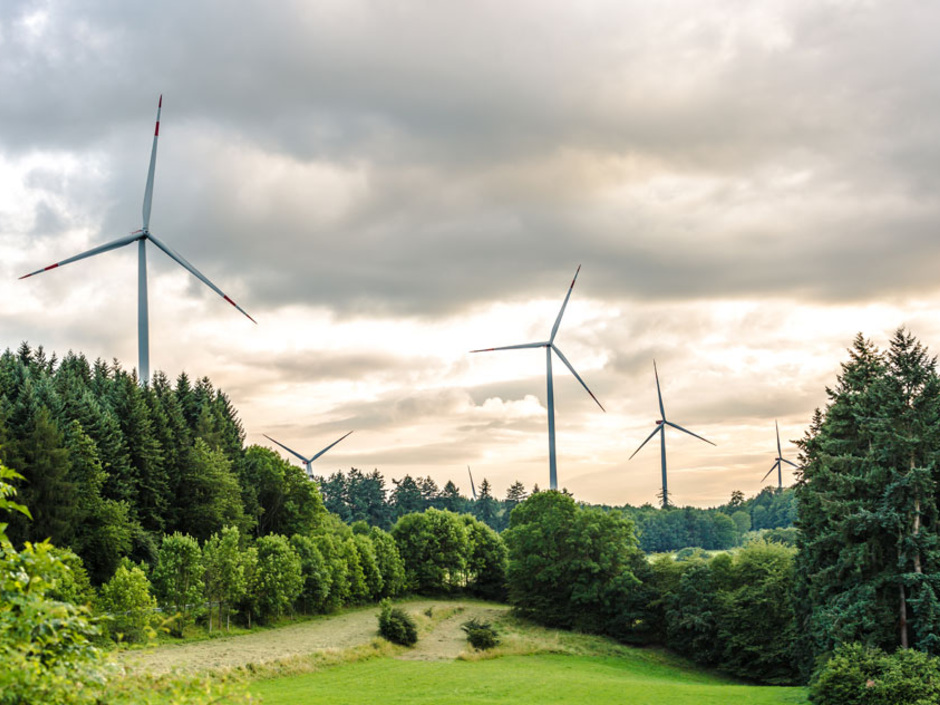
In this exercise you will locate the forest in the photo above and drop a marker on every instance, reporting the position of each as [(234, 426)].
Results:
[(148, 498)]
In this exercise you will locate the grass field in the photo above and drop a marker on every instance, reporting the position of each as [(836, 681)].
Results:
[(532, 665), (543, 679), (338, 659)]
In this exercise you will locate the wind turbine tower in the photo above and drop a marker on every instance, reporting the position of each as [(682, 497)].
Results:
[(778, 464), (661, 430), (308, 462), (550, 347), (141, 237)]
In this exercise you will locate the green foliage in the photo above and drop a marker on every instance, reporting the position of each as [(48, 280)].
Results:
[(869, 560), (572, 567), (278, 578), (389, 562), (46, 646), (316, 573), (278, 496), (434, 548), (481, 634), (126, 599), (177, 579), (225, 572), (863, 675), (756, 620), (212, 498), (486, 561), (396, 625)]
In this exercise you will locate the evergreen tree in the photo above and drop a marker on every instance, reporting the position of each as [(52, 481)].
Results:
[(42, 459), (869, 559), (486, 509), (406, 497)]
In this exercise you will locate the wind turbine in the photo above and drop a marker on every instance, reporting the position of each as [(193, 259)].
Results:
[(661, 429), (141, 237), (308, 462), (473, 488), (778, 465), (550, 346)]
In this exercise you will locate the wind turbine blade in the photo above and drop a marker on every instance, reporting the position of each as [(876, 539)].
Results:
[(148, 191), (512, 347), (90, 253), (292, 452), (578, 377), (473, 488), (779, 451), (172, 254), (772, 468), (659, 394), (685, 430), (655, 431), (327, 448), (565, 303), (789, 463)]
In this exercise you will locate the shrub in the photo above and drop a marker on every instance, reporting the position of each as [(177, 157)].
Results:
[(396, 625), (858, 674), (481, 635)]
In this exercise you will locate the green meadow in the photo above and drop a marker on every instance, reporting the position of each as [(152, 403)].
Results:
[(531, 665), (540, 680)]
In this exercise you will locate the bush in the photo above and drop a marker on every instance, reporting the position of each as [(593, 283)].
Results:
[(858, 674), (481, 635), (396, 625)]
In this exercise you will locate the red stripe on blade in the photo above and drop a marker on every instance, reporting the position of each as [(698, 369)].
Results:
[(51, 266)]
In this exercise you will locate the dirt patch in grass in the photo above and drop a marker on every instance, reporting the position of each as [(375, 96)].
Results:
[(331, 633)]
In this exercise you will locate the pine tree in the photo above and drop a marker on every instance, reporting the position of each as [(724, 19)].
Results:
[(868, 562)]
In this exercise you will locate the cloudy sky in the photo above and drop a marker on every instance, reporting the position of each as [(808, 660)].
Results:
[(385, 186)]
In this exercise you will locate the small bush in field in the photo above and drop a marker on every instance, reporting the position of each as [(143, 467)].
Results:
[(481, 635), (396, 625)]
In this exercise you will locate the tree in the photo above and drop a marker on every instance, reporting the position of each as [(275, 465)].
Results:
[(571, 567), (126, 598), (224, 566), (434, 548), (278, 495), (389, 562), (486, 508), (278, 579), (315, 571), (406, 497), (869, 560), (42, 459), (212, 497), (486, 560), (177, 579), (756, 618), (372, 575)]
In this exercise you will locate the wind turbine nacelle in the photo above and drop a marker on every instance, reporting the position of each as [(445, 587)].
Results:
[(659, 423)]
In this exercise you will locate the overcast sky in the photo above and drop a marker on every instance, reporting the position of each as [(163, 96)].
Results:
[(385, 186)]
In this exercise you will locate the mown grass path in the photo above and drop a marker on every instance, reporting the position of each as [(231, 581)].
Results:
[(327, 633)]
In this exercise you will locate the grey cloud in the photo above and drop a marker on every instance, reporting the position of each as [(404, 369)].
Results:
[(436, 110)]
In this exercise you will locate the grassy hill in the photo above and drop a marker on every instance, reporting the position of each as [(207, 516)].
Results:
[(532, 665)]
